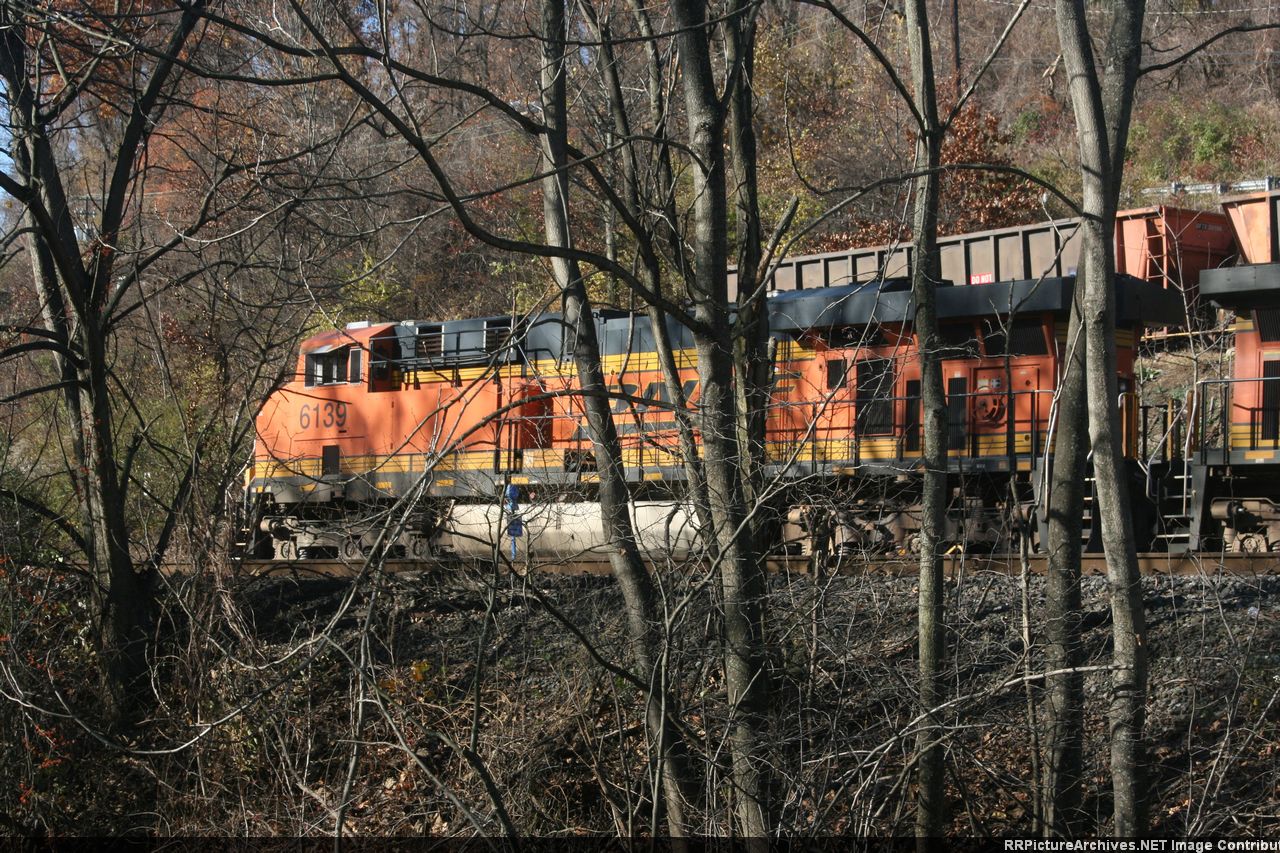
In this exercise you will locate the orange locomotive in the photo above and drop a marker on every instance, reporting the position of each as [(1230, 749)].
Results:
[(370, 410), (845, 426), (1229, 485), (441, 435)]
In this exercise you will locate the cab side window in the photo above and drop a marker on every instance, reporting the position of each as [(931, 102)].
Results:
[(345, 364)]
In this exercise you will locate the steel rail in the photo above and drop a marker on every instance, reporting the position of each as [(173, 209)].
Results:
[(1155, 564)]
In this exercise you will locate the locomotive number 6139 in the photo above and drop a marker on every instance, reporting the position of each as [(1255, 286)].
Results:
[(328, 414)]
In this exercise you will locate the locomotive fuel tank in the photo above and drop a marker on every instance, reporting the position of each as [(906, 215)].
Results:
[(564, 530)]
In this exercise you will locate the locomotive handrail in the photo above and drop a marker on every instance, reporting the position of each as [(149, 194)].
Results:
[(1238, 379), (901, 428), (1226, 404), (1169, 418)]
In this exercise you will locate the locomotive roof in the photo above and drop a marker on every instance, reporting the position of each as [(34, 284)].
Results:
[(872, 302), (1252, 286), (543, 336), (332, 339)]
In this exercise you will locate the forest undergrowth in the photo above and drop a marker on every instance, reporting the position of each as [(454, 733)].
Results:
[(433, 706)]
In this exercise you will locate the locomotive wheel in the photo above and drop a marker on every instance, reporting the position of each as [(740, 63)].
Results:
[(419, 549), (350, 550), (287, 550), (1253, 543)]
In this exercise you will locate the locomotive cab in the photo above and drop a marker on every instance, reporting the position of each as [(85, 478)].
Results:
[(310, 437), (375, 412)]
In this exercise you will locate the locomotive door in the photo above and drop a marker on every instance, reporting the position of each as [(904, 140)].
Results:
[(875, 398), (835, 422), (911, 416), (787, 418), (1269, 411), (956, 377), (1001, 410)]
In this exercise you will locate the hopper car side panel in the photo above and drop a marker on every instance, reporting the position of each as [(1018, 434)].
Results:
[(1163, 245)]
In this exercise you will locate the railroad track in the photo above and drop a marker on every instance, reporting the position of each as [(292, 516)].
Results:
[(1182, 565)]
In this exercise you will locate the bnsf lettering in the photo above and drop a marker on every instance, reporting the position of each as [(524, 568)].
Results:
[(657, 393), (654, 392), (625, 390), (327, 415)]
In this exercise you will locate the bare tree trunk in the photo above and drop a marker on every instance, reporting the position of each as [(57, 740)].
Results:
[(128, 603), (1064, 708), (666, 185), (741, 573), (1128, 699), (752, 365), (643, 623), (931, 811), (1102, 103), (696, 484)]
